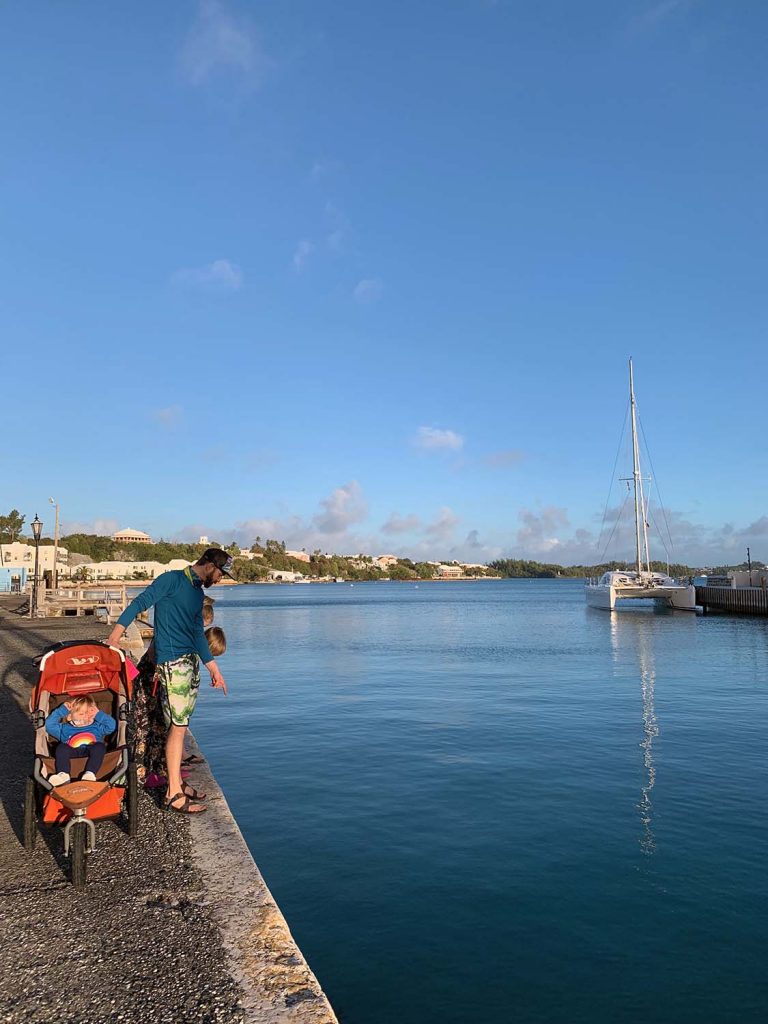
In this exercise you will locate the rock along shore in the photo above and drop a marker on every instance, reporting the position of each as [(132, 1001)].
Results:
[(174, 927)]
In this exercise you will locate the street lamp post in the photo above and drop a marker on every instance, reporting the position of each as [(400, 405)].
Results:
[(55, 574), (37, 527)]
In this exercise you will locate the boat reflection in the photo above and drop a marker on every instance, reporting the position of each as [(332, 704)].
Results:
[(650, 732), (636, 633)]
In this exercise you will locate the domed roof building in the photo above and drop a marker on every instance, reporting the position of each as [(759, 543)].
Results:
[(129, 536)]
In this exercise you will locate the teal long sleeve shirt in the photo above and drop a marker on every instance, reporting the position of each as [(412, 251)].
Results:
[(177, 598)]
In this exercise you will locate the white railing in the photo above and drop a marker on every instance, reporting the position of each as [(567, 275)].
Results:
[(85, 599)]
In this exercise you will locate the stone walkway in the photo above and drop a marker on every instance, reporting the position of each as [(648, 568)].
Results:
[(147, 940)]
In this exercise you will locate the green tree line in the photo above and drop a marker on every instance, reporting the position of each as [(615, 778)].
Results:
[(518, 568)]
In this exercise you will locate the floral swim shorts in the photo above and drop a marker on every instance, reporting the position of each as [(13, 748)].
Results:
[(179, 683)]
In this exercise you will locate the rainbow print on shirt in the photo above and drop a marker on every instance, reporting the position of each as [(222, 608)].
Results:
[(82, 739)]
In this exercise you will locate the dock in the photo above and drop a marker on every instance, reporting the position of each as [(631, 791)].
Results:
[(104, 603), (735, 600)]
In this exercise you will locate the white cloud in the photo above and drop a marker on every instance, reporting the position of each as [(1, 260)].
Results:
[(368, 290), (540, 529), (100, 527), (219, 42), (328, 530), (343, 507), (438, 544), (547, 535), (544, 534), (727, 544), (168, 417), (472, 549), (442, 526), (221, 276), (303, 250), (759, 528), (431, 439), (401, 524)]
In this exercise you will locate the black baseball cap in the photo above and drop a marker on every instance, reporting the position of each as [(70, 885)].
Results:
[(220, 559)]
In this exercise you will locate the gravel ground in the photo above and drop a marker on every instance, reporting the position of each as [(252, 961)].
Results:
[(139, 944)]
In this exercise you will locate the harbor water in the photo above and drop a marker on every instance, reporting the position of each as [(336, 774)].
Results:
[(485, 802)]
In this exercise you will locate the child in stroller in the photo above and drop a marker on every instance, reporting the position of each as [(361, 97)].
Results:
[(80, 729), (69, 671)]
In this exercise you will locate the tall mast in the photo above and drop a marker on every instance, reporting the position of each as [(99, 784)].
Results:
[(641, 530)]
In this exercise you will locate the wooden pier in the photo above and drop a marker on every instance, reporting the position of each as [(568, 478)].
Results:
[(104, 603), (735, 600)]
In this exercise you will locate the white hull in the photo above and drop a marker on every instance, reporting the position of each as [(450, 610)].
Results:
[(607, 596)]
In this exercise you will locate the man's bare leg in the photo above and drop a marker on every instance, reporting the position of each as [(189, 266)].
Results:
[(174, 751)]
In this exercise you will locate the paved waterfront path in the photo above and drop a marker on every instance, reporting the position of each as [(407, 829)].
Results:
[(155, 935)]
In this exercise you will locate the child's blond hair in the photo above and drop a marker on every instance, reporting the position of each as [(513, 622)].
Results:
[(217, 641), (85, 700), (77, 705), (207, 615)]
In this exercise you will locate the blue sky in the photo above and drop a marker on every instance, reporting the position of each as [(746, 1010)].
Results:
[(367, 276)]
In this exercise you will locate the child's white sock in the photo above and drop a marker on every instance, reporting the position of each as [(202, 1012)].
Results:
[(59, 778), (88, 777)]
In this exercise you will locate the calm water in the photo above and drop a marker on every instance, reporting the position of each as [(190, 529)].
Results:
[(484, 802)]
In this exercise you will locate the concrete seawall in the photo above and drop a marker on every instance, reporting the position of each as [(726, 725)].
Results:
[(174, 926), (276, 981)]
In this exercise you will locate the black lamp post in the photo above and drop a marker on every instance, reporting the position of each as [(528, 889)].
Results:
[(37, 528)]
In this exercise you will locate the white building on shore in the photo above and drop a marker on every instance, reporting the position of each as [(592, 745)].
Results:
[(450, 572), (22, 556), (132, 571), (284, 576), (300, 556)]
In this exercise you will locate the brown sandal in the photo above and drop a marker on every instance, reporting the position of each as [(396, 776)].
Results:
[(192, 793), (185, 807)]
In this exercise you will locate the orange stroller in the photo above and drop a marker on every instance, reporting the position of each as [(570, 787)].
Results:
[(69, 670)]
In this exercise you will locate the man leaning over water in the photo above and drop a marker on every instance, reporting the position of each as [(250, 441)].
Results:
[(177, 597)]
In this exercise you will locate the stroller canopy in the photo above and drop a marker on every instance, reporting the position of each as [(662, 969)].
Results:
[(80, 668)]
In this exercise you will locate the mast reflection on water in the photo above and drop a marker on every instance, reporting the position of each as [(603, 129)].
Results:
[(647, 664)]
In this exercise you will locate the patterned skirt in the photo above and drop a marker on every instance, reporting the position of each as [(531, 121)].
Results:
[(149, 731)]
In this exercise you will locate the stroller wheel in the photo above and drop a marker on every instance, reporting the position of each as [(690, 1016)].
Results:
[(77, 854), (30, 815)]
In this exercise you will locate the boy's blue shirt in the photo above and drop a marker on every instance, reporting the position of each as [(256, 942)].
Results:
[(102, 725), (177, 598)]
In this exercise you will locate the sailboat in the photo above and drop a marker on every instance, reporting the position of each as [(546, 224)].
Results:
[(638, 583)]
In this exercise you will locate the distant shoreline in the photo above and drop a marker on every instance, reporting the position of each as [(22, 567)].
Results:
[(329, 583), (141, 584)]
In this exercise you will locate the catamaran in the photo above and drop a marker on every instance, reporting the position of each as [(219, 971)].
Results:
[(638, 583)]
